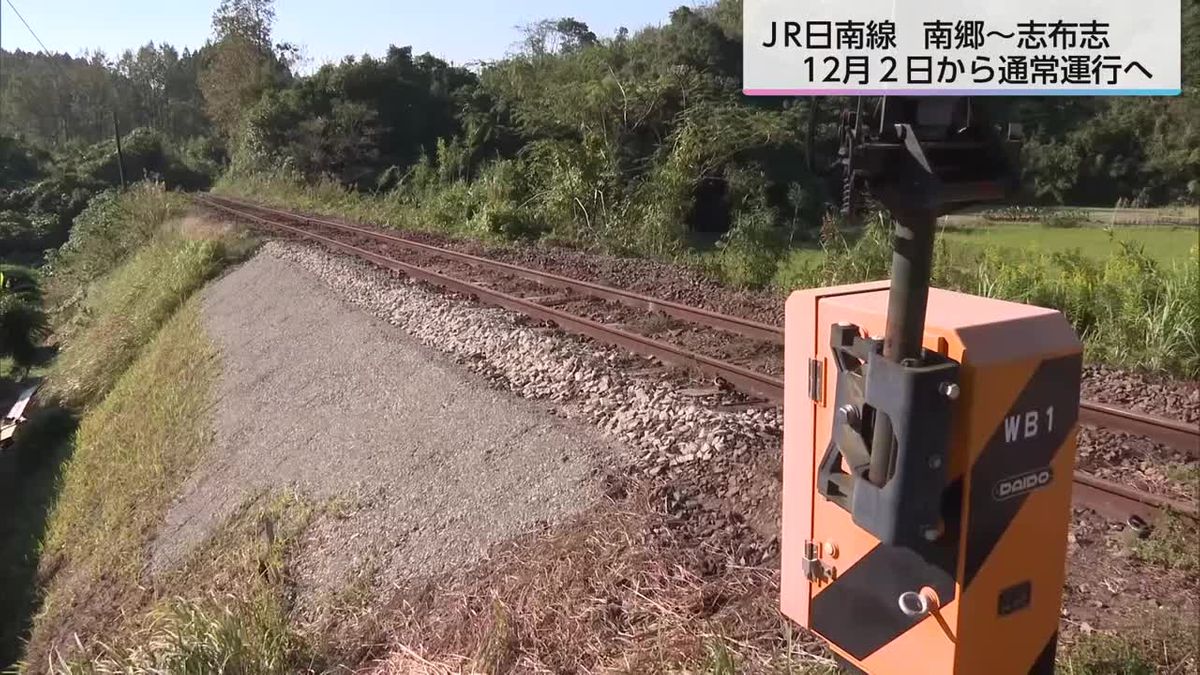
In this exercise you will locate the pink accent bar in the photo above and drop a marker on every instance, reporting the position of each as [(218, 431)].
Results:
[(961, 92)]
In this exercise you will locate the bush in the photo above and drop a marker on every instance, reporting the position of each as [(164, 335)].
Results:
[(147, 157), (1064, 218), (749, 251), (1015, 214), (23, 323), (112, 227), (865, 255)]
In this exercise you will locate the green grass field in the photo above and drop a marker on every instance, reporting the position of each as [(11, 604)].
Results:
[(1164, 244)]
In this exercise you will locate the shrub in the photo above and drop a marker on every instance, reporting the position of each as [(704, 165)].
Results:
[(23, 323), (112, 227), (749, 251), (845, 259), (1064, 218)]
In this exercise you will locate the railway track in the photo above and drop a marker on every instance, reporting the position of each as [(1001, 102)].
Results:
[(524, 292)]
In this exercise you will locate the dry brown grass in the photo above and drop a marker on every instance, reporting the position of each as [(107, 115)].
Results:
[(611, 591)]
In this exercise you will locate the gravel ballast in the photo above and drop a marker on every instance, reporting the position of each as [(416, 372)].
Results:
[(696, 452), (421, 467)]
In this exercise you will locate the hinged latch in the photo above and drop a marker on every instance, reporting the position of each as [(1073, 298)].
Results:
[(811, 565), (816, 379)]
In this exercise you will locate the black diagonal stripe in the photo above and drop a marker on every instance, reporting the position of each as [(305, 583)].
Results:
[(859, 611), (1044, 664), (1055, 383)]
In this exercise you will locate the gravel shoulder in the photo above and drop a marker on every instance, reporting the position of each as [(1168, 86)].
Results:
[(421, 467)]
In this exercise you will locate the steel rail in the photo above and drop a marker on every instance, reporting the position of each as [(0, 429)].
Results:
[(742, 378), (1120, 502), (696, 315), (1162, 430), (1107, 498), (1168, 432)]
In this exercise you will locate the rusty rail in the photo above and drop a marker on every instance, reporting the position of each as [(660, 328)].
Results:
[(1119, 502), (742, 378), (1105, 497), (1168, 432), (695, 315), (1159, 429)]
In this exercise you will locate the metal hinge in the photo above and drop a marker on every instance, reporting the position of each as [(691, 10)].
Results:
[(814, 570), (816, 379)]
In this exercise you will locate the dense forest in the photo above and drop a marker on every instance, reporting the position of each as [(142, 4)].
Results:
[(631, 138)]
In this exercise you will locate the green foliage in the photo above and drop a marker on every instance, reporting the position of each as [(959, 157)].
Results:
[(624, 143), (1130, 310), (23, 323), (613, 143), (146, 155), (231, 635), (846, 257), (121, 275), (132, 452), (19, 163), (123, 313), (38, 210), (109, 231), (241, 63), (57, 116), (748, 252), (61, 101), (354, 120), (37, 203)]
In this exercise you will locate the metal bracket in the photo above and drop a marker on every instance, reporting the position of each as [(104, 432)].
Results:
[(906, 509)]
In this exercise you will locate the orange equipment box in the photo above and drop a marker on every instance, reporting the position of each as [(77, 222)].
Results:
[(982, 594)]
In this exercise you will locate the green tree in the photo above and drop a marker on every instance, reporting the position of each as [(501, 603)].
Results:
[(241, 62)]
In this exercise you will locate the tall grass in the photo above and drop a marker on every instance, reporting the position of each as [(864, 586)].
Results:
[(108, 232), (134, 449), (1130, 310), (230, 614), (230, 635), (124, 312)]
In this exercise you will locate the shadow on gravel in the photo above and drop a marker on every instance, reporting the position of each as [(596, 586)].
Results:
[(29, 472)]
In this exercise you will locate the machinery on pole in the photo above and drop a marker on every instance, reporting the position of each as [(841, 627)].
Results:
[(929, 435)]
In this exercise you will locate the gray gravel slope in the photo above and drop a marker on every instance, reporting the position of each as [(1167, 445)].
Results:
[(431, 464)]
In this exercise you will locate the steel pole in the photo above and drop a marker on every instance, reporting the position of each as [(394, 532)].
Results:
[(908, 297)]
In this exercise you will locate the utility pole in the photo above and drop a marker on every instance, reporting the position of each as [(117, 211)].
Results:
[(810, 141), (120, 155)]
